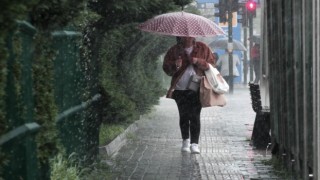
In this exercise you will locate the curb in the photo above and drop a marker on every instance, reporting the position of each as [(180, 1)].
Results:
[(119, 141)]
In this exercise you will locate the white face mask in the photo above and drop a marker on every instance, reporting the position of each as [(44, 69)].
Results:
[(188, 50)]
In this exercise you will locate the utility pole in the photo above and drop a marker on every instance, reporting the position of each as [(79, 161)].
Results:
[(244, 21), (230, 46), (226, 8), (251, 43), (245, 55), (251, 12)]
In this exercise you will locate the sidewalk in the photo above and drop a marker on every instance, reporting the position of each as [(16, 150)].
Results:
[(153, 152)]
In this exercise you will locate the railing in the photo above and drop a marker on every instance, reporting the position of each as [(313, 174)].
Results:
[(74, 128), (77, 108), (19, 133), (77, 122), (25, 133)]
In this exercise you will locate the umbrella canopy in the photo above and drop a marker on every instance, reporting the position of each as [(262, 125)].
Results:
[(222, 43), (255, 39), (181, 24)]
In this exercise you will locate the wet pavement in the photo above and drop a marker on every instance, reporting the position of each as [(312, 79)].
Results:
[(153, 150)]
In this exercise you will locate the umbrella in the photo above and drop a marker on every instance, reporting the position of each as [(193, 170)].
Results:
[(211, 39), (181, 24), (222, 43), (255, 39)]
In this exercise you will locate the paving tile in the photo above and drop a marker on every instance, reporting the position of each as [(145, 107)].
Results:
[(225, 151)]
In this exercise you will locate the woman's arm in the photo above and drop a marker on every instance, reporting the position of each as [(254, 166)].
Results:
[(169, 62), (204, 57)]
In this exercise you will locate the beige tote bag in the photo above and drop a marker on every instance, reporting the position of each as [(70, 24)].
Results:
[(208, 97)]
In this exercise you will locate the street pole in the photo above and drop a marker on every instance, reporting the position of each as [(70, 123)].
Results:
[(245, 56), (230, 47), (250, 15), (245, 38)]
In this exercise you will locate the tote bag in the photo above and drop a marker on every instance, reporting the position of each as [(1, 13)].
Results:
[(208, 97), (218, 84)]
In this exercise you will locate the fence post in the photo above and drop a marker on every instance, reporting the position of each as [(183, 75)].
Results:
[(19, 103)]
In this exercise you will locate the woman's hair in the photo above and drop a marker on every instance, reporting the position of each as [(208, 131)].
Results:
[(180, 45), (179, 41), (180, 49)]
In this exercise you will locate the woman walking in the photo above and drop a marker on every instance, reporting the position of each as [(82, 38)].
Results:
[(182, 61)]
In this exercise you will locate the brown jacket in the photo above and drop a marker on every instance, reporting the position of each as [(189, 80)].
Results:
[(200, 51)]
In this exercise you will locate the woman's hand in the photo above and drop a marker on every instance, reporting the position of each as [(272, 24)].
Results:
[(179, 62), (194, 60)]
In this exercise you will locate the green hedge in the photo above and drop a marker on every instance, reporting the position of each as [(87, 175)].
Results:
[(130, 72), (46, 16), (126, 60), (45, 107)]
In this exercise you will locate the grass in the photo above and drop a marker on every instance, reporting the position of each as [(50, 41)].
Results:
[(63, 169), (98, 170), (279, 169), (108, 132)]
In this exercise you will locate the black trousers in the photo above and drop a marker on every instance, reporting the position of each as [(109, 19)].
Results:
[(256, 68), (189, 107)]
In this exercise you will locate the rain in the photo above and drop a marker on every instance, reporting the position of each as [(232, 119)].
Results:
[(161, 89)]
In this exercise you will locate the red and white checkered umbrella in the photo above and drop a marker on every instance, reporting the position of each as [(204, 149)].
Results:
[(181, 24)]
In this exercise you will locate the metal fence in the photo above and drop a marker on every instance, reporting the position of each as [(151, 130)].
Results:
[(20, 149), (69, 83), (291, 69)]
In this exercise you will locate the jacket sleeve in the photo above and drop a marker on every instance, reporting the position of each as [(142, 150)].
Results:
[(169, 63), (206, 57)]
